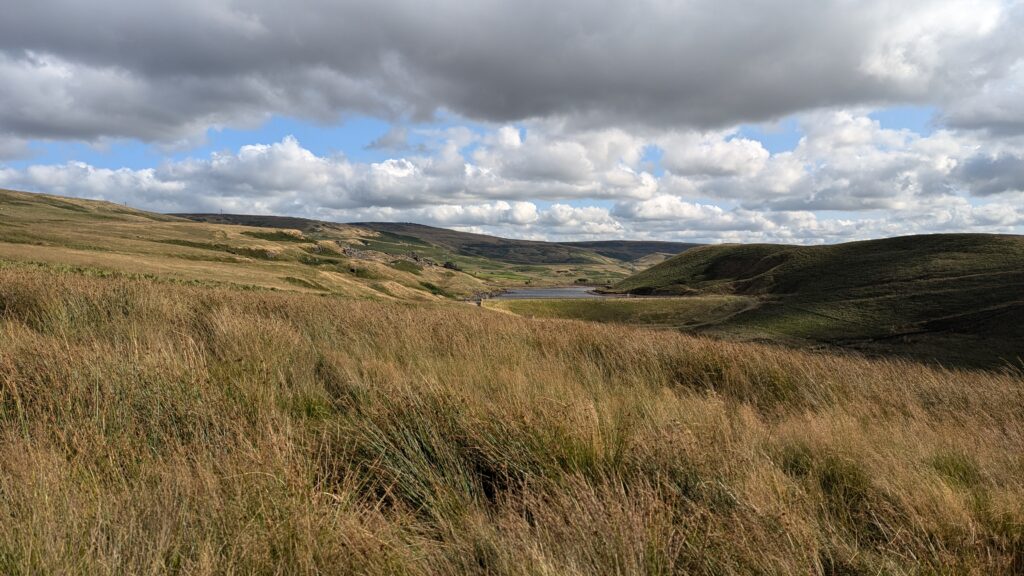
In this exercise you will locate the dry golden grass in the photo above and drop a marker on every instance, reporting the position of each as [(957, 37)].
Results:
[(150, 427), (59, 231)]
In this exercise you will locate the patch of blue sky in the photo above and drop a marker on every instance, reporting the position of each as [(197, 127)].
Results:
[(919, 119), (351, 137), (780, 136), (650, 161), (116, 154)]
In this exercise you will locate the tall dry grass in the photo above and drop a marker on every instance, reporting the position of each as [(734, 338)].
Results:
[(150, 428)]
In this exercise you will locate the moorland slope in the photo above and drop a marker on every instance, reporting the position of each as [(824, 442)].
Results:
[(108, 237), (500, 261), (953, 297)]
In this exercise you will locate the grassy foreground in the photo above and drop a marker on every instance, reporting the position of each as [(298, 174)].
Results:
[(150, 427)]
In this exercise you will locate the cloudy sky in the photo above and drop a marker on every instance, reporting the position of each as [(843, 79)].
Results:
[(710, 120)]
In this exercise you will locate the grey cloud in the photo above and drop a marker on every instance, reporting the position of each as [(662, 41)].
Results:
[(987, 175), (166, 71), (992, 103), (396, 138), (997, 108), (12, 148)]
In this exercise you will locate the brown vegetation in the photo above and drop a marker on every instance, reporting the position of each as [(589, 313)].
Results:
[(153, 427)]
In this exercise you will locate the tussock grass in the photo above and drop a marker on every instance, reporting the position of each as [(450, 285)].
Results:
[(154, 428)]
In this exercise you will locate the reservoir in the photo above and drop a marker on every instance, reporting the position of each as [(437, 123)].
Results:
[(548, 293)]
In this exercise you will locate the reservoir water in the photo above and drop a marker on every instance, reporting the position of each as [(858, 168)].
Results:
[(547, 293)]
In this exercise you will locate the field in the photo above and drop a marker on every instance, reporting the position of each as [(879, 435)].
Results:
[(171, 404)]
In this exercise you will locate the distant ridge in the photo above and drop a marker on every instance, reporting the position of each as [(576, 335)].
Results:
[(492, 247), (265, 221), (506, 250), (633, 249)]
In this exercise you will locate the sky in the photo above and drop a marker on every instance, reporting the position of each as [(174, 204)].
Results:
[(796, 121)]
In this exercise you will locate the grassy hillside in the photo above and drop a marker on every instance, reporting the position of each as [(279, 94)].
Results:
[(497, 261), (649, 260), (153, 427), (110, 238), (686, 313), (872, 265), (266, 221), (491, 247), (293, 253), (952, 297)]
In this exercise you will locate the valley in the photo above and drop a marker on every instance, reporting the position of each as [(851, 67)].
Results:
[(182, 395)]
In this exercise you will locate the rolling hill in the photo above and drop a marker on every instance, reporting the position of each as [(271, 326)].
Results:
[(632, 250), (492, 247), (108, 238), (957, 298), (502, 261), (952, 298), (369, 260), (468, 244)]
